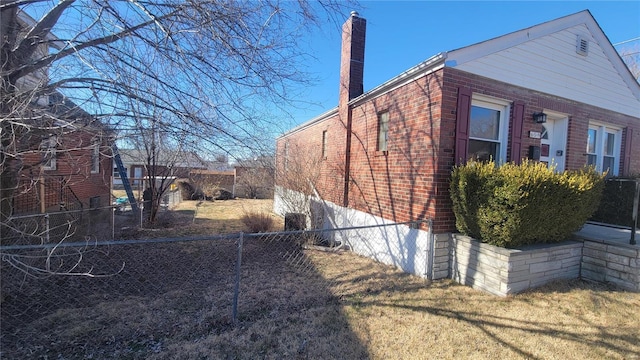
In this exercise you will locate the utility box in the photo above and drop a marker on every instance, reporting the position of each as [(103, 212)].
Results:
[(294, 221)]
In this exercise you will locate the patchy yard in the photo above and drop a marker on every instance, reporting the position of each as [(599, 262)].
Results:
[(173, 301), (195, 218)]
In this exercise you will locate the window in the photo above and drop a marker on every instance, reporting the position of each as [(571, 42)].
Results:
[(95, 158), (116, 173), (137, 175), (324, 144), (286, 155), (603, 148), (48, 148), (94, 202), (487, 129), (383, 131)]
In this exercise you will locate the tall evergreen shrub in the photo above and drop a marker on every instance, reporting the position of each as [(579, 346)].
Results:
[(515, 205)]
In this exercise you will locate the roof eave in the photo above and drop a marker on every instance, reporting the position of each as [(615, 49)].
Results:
[(309, 123), (29, 21), (428, 66)]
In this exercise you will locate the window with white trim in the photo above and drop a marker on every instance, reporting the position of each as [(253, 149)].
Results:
[(488, 126), (48, 148), (603, 148), (383, 131), (95, 158)]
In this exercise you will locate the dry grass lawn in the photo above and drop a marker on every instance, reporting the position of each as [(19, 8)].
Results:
[(196, 218), (317, 305), (398, 316)]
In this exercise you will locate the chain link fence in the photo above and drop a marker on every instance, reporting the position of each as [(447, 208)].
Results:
[(141, 298), (101, 223), (53, 227)]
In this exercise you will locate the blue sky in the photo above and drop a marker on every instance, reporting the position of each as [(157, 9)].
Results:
[(401, 34)]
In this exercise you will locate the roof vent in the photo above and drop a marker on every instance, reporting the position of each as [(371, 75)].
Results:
[(582, 46)]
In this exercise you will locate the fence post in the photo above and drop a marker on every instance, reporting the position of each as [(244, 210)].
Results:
[(236, 290), (47, 237), (636, 199), (46, 227), (113, 223)]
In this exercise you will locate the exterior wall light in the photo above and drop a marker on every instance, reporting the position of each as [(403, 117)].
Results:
[(539, 117)]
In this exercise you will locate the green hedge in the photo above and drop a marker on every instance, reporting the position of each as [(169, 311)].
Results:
[(515, 205)]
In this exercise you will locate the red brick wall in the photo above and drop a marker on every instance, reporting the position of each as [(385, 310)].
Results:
[(305, 163), (579, 115), (411, 180), (73, 168), (352, 57), (400, 184)]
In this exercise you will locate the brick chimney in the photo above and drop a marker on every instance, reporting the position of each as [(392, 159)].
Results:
[(352, 58), (351, 85)]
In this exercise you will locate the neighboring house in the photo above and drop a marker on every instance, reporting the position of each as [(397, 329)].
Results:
[(387, 154), (209, 184), (255, 178), (64, 160), (170, 164), (70, 170)]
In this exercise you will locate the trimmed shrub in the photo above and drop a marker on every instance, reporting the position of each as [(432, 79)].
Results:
[(516, 205), (257, 222)]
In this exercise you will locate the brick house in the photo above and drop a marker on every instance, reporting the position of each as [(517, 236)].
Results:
[(71, 167), (254, 178), (170, 164), (63, 157), (557, 92)]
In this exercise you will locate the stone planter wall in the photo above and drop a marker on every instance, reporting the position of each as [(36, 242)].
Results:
[(612, 263), (441, 249), (503, 271)]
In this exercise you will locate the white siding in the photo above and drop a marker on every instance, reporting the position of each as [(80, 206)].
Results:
[(551, 65), (397, 245)]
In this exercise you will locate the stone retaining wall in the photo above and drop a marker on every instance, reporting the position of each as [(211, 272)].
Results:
[(482, 266), (612, 263), (503, 271), (441, 256)]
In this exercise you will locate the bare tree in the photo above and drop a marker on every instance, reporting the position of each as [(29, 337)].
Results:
[(630, 54), (188, 71), (299, 170), (209, 184), (256, 177), (163, 164)]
